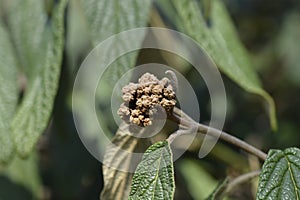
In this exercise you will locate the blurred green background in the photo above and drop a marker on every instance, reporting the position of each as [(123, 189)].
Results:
[(61, 167)]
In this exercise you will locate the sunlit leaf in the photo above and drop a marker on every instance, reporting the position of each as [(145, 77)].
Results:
[(280, 176), (154, 176)]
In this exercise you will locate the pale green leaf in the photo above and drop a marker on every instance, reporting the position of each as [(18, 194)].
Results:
[(287, 49), (154, 176), (280, 176), (215, 33), (34, 112), (119, 163), (218, 190), (26, 174), (8, 93), (108, 17), (26, 21), (199, 182)]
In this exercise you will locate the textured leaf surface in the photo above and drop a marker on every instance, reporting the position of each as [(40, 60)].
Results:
[(119, 163), (108, 17), (280, 176), (27, 20), (215, 33), (34, 112), (154, 177), (8, 93)]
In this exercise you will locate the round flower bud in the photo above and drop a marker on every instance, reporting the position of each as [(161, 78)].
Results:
[(142, 99)]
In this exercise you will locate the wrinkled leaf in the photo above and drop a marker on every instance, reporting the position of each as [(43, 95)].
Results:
[(154, 177), (34, 112), (27, 20), (109, 17), (280, 176), (104, 19), (8, 93), (214, 31), (119, 163)]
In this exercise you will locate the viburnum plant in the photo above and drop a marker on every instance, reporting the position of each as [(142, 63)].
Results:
[(154, 176), (42, 45), (144, 102)]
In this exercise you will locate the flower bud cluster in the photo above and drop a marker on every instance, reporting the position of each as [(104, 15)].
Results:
[(143, 100)]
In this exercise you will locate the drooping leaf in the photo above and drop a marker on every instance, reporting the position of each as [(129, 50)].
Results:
[(199, 182), (34, 112), (25, 173), (109, 17), (287, 48), (13, 191), (77, 35), (154, 176), (8, 93), (106, 18), (215, 33), (119, 163), (26, 22), (218, 190), (280, 176)]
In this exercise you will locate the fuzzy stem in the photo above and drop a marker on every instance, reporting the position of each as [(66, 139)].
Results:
[(180, 117)]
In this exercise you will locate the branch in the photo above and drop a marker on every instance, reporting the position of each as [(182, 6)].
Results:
[(180, 117), (241, 179)]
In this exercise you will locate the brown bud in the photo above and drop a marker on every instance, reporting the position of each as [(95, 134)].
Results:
[(142, 98)]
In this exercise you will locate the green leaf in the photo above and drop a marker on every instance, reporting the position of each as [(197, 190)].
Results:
[(108, 17), (215, 33), (154, 177), (287, 49), (199, 182), (119, 163), (218, 190), (26, 22), (8, 93), (280, 176), (35, 110), (25, 173)]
